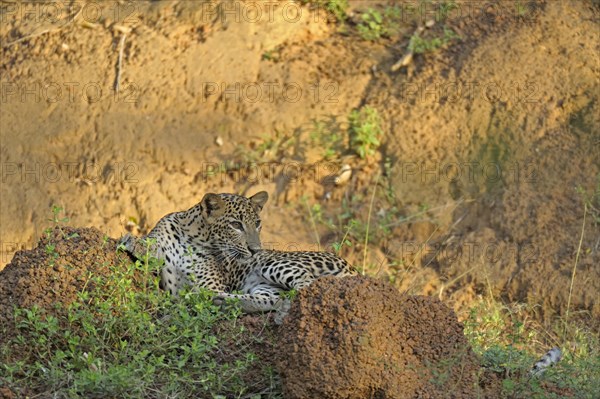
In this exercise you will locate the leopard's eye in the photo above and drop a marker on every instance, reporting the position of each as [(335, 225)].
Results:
[(237, 225), (258, 225)]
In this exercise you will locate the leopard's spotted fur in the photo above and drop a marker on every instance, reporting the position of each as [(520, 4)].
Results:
[(274, 272), (216, 245), (199, 246)]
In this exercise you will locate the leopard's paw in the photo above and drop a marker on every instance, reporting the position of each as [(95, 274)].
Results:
[(282, 310), (220, 298)]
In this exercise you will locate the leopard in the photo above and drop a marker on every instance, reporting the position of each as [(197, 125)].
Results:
[(215, 245), (198, 246)]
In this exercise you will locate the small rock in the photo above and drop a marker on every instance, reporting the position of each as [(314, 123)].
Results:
[(404, 61), (343, 175)]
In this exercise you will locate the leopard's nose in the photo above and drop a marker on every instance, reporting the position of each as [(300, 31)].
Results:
[(253, 243)]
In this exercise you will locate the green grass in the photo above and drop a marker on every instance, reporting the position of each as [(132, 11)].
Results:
[(365, 131), (444, 9), (591, 200), (509, 343), (420, 44), (362, 137), (270, 148), (123, 337), (362, 222), (272, 55), (327, 136), (337, 8), (376, 24)]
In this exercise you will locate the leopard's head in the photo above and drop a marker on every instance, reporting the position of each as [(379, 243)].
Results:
[(233, 223)]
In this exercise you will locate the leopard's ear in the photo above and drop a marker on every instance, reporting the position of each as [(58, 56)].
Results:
[(259, 199), (212, 206)]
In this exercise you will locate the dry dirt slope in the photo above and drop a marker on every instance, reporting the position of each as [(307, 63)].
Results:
[(502, 133), (140, 154), (532, 117)]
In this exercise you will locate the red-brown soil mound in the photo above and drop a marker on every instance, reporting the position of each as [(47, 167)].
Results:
[(56, 270), (360, 338)]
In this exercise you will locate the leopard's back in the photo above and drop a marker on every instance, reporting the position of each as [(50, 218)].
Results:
[(296, 269)]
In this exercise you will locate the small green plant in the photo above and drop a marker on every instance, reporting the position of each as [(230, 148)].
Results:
[(375, 24), (313, 217), (445, 8), (56, 210), (57, 221), (326, 136), (337, 8), (365, 131), (420, 45), (272, 55), (521, 9), (270, 148), (317, 211), (291, 294), (591, 200), (337, 246)]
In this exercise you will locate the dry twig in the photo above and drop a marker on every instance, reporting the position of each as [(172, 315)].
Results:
[(119, 63)]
